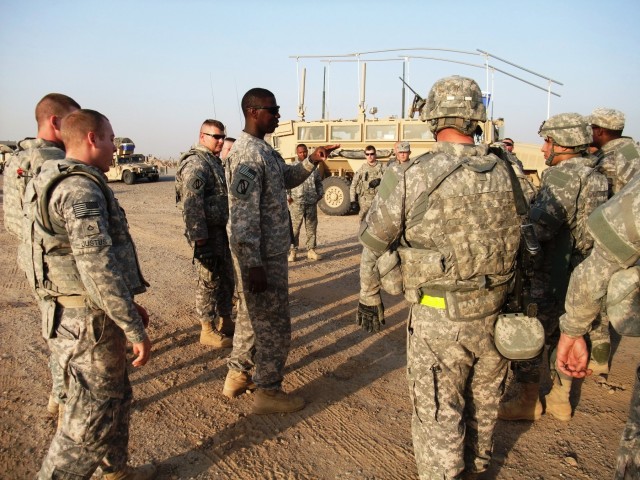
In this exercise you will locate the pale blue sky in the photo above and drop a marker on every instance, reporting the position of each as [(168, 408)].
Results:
[(151, 66)]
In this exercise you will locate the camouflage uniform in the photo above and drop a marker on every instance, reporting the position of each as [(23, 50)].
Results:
[(258, 230), (360, 188), (86, 282), (587, 288), (305, 207), (620, 161), (569, 192), (454, 217), (201, 191)]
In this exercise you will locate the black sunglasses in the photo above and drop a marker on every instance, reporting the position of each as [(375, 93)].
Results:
[(368, 154), (215, 135), (272, 110)]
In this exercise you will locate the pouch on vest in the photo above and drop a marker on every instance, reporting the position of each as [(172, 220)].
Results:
[(48, 309), (623, 301), (518, 337), (388, 266), (474, 304), (418, 268)]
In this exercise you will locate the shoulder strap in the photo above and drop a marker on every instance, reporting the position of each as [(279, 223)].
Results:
[(518, 194)]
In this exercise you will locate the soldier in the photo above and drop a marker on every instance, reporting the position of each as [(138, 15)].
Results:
[(85, 270), (570, 190), (226, 148), (453, 213), (259, 236), (22, 166), (365, 182), (616, 229), (402, 152), (201, 194), (620, 156), (303, 205), (509, 145)]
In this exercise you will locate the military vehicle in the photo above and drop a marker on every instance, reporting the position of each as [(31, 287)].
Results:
[(354, 135), (129, 167), (6, 149)]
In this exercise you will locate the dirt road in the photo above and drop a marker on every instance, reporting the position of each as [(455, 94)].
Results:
[(357, 422)]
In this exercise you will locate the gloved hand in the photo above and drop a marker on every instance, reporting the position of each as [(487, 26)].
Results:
[(374, 183), (205, 254), (370, 318), (355, 207)]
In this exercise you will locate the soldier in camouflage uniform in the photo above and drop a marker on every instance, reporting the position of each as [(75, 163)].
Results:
[(365, 182), (24, 165), (453, 214), (259, 236), (303, 205), (616, 230), (201, 194), (570, 190), (84, 268)]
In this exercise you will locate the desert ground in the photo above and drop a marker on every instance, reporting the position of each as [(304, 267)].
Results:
[(356, 424)]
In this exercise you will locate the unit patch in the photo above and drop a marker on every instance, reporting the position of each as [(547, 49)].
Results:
[(243, 182), (196, 184)]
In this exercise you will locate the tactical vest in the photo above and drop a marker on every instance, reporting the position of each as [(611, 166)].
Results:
[(52, 270), (216, 202), (27, 160), (618, 173), (362, 188), (461, 236)]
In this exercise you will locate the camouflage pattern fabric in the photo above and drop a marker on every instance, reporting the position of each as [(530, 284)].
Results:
[(89, 345), (360, 189), (455, 372), (620, 162), (258, 228), (628, 461), (31, 154), (202, 189), (305, 207)]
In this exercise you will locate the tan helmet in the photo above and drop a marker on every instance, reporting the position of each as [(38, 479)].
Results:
[(455, 102), (567, 130)]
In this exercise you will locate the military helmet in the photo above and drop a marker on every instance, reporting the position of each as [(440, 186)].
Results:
[(455, 102), (567, 130)]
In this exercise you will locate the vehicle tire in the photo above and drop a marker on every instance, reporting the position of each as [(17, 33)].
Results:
[(336, 196), (128, 177)]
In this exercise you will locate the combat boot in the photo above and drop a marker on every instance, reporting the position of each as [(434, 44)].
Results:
[(237, 383), (210, 336), (225, 325), (52, 406), (275, 401), (312, 255), (557, 399), (525, 405), (292, 255), (143, 472)]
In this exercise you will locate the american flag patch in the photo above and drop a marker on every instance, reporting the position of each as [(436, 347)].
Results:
[(247, 172), (86, 209)]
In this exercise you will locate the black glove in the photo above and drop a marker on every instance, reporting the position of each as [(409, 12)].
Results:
[(370, 318), (206, 255), (374, 183), (355, 207)]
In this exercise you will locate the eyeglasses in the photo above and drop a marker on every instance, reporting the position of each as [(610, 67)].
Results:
[(272, 110), (507, 144), (215, 135), (369, 154)]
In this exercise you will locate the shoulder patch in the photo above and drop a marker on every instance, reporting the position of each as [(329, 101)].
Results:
[(389, 182), (86, 209), (243, 182), (629, 152), (196, 184), (557, 178)]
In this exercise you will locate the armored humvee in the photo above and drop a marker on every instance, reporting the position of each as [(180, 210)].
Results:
[(129, 167), (6, 149)]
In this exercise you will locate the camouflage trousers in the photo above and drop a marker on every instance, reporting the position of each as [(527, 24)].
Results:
[(58, 388), (628, 462), (308, 213), (456, 377), (263, 326), (216, 285), (364, 201), (91, 350)]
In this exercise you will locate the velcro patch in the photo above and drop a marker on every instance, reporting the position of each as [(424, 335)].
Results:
[(90, 229), (196, 184), (243, 182), (86, 209), (247, 172)]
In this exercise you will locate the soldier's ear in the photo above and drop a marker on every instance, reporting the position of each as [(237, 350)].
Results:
[(92, 138)]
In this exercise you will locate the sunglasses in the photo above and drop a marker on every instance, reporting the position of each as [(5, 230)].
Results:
[(369, 154), (272, 110), (215, 135)]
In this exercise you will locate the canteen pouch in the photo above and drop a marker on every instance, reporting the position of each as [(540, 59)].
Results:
[(518, 337), (388, 265), (48, 309), (623, 301)]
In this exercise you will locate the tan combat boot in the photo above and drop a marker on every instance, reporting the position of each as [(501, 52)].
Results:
[(210, 336), (237, 383), (292, 255), (525, 405), (275, 401), (143, 472), (52, 406), (225, 325), (557, 399), (312, 255)]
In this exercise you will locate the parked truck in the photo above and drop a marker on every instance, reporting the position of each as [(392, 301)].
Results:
[(128, 166)]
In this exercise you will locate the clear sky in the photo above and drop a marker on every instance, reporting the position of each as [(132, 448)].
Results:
[(158, 68)]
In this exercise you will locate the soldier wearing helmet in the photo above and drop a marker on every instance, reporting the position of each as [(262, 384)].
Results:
[(449, 219), (569, 191)]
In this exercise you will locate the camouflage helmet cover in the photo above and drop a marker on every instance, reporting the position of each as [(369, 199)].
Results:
[(455, 97), (567, 130)]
